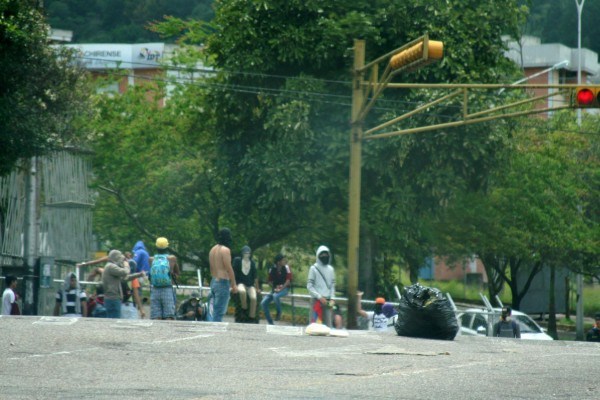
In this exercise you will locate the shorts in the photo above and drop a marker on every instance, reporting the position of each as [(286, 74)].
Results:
[(162, 303)]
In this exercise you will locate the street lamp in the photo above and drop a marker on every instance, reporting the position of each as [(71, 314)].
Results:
[(558, 65), (579, 11)]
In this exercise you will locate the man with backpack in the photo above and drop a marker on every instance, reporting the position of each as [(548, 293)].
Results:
[(162, 270)]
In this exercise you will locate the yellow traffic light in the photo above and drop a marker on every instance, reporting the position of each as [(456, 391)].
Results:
[(418, 55), (586, 97)]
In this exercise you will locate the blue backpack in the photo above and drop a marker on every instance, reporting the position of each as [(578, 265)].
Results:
[(160, 271)]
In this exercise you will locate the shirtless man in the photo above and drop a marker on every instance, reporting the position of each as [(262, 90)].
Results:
[(223, 278)]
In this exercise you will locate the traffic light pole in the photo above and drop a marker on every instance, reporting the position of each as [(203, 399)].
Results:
[(411, 56), (356, 134)]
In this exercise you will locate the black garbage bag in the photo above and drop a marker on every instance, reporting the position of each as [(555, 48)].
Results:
[(425, 313)]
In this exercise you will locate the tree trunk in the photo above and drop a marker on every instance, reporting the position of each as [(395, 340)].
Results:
[(495, 270), (513, 284), (552, 305), (413, 270)]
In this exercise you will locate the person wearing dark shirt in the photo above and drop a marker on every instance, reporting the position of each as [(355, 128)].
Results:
[(280, 279), (71, 301), (593, 334), (506, 327), (246, 278), (191, 309)]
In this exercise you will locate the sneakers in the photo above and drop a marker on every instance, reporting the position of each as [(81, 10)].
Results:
[(278, 317)]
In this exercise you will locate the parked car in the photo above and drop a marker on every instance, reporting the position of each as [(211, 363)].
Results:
[(474, 322)]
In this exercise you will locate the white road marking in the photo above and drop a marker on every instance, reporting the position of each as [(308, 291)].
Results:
[(56, 321), (179, 339), (58, 353), (285, 330), (131, 324)]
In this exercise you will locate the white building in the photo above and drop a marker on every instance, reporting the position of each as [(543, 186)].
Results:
[(552, 63)]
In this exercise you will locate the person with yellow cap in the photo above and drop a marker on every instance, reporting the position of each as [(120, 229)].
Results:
[(162, 271)]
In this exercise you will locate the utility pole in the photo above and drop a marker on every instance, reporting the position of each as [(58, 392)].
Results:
[(356, 134), (579, 313), (414, 55), (30, 245)]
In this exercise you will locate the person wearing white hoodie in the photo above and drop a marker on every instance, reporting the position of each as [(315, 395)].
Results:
[(321, 284)]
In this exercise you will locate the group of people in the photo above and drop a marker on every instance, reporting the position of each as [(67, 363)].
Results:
[(115, 298), (241, 277), (118, 294)]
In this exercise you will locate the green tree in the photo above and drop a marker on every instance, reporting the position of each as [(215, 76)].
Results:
[(555, 21), (538, 210), (114, 21), (273, 127), (41, 90), (408, 177)]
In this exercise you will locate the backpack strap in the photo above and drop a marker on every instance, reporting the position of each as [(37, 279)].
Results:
[(324, 280)]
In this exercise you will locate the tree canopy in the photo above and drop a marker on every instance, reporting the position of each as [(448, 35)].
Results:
[(120, 21), (41, 90), (262, 147)]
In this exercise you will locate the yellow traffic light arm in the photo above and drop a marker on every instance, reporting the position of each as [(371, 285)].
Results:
[(415, 54), (480, 116), (462, 123)]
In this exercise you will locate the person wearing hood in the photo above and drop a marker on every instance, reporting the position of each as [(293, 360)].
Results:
[(280, 278), (246, 277), (71, 300), (192, 309), (321, 285), (115, 270), (141, 258)]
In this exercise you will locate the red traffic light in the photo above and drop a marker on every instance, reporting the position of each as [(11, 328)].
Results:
[(586, 97)]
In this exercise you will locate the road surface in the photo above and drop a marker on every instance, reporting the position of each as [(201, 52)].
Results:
[(55, 357)]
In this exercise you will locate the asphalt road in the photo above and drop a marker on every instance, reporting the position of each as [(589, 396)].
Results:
[(52, 358)]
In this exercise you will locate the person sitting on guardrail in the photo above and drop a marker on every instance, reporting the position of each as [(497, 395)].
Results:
[(593, 334), (507, 327), (246, 278), (280, 279), (71, 300)]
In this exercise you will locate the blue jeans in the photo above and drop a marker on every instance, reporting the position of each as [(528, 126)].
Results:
[(276, 297), (113, 308), (218, 299)]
